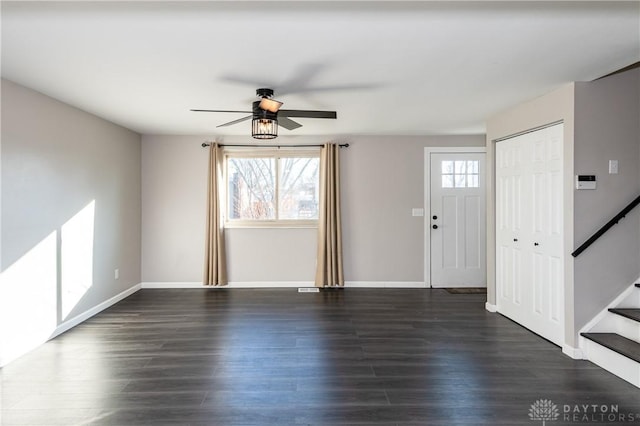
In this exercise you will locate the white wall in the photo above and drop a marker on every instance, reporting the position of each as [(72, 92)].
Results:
[(70, 216), (382, 180)]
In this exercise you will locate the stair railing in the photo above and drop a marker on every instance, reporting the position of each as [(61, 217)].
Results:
[(606, 227)]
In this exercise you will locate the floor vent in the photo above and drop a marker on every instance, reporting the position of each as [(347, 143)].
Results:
[(308, 290)]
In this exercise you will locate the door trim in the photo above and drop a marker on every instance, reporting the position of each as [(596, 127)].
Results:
[(427, 198)]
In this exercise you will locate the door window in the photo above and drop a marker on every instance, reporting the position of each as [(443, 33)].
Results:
[(459, 173)]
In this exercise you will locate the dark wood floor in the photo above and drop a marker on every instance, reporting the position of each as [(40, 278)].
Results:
[(278, 357)]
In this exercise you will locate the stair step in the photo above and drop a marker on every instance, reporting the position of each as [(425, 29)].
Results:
[(616, 343), (633, 314)]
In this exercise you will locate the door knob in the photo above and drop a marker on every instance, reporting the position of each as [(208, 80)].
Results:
[(536, 244), (435, 226), (435, 217), (515, 239)]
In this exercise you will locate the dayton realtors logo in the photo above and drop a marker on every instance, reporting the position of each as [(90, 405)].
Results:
[(545, 410), (597, 413)]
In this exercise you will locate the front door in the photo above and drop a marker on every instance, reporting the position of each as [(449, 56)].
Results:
[(457, 219)]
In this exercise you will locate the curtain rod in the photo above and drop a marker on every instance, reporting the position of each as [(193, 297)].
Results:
[(344, 145)]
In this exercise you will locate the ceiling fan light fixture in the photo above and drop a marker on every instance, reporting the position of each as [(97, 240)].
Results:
[(264, 128), (270, 104), (264, 115)]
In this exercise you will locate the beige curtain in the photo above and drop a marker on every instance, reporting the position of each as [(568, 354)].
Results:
[(215, 269), (329, 263)]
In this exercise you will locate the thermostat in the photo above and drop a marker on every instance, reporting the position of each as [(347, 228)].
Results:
[(585, 181)]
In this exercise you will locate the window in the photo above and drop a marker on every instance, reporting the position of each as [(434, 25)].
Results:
[(273, 188), (460, 174)]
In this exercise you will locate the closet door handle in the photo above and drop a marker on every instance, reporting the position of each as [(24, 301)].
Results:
[(536, 244), (515, 239)]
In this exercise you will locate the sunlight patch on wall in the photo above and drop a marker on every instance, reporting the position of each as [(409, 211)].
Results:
[(76, 258), (28, 299)]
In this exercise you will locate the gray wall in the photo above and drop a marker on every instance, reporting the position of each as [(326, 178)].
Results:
[(70, 215), (174, 185), (607, 127), (382, 180), (602, 122)]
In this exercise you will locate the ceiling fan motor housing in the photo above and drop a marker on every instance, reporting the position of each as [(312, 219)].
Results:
[(264, 92)]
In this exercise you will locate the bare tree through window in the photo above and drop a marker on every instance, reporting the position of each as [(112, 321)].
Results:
[(251, 188), (271, 188), (298, 194)]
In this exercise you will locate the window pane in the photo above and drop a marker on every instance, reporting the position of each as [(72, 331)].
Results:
[(460, 167), (447, 167), (472, 181), (251, 190), (460, 181), (472, 166), (447, 181), (298, 194)]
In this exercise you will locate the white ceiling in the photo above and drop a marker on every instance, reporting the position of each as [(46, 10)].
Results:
[(400, 68)]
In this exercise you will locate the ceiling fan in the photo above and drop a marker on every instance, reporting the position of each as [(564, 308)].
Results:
[(266, 116)]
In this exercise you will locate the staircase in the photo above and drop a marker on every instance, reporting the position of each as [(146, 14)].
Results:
[(613, 342)]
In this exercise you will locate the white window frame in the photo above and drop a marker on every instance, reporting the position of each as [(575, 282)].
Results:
[(276, 153)]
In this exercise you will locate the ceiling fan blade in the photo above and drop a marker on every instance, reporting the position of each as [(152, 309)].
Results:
[(288, 124), (239, 120), (306, 113), (219, 110), (303, 75), (246, 81), (319, 89)]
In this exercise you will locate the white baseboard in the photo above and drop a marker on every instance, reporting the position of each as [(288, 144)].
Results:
[(146, 285), (68, 324), (270, 284), (286, 284), (491, 307), (385, 284), (570, 351), (236, 284), (459, 286)]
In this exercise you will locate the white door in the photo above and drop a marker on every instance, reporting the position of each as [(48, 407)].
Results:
[(529, 249), (457, 220)]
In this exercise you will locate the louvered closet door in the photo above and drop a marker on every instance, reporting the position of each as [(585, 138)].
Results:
[(529, 251)]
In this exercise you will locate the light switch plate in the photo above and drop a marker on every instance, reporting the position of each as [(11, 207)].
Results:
[(417, 212), (613, 167)]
